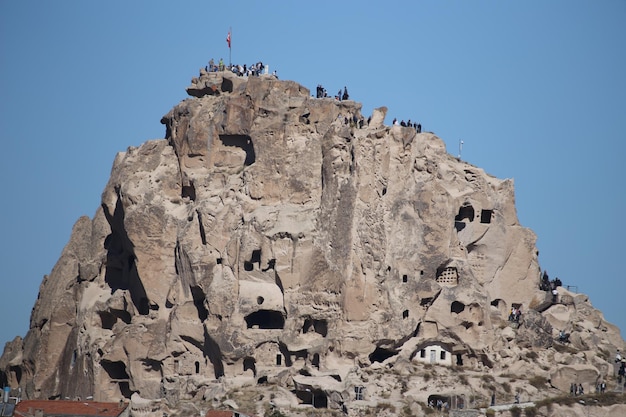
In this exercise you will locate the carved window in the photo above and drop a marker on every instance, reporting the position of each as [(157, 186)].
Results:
[(448, 276)]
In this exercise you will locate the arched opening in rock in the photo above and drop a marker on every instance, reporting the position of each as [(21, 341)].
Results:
[(241, 141), (249, 363), (405, 314), (189, 191), (405, 278), (197, 366), (457, 307), (255, 258), (265, 319), (259, 300), (500, 305), (381, 354), (316, 360), (466, 212), (262, 380), (116, 370), (317, 398), (107, 320), (319, 326), (16, 373)]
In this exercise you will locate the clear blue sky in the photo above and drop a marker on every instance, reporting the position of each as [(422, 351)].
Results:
[(535, 89)]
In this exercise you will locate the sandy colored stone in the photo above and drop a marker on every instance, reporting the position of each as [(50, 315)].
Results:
[(269, 238)]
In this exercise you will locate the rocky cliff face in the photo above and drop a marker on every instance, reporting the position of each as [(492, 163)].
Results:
[(273, 242)]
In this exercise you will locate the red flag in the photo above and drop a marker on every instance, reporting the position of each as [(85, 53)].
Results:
[(228, 39)]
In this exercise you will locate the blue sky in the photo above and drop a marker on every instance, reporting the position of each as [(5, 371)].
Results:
[(535, 89)]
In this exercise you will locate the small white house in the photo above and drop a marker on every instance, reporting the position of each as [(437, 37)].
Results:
[(435, 353)]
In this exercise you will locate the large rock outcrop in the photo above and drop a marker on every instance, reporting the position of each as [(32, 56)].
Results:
[(275, 238)]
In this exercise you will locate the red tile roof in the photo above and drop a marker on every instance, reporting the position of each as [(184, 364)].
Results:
[(58, 407)]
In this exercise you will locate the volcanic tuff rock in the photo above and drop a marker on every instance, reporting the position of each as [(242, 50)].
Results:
[(274, 240)]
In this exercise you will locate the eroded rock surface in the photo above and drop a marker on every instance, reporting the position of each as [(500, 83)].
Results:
[(271, 241)]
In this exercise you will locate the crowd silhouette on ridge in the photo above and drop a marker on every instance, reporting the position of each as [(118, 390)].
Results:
[(259, 68)]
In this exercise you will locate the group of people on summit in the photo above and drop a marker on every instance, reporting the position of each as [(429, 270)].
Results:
[(417, 126), (322, 93), (240, 70), (259, 67)]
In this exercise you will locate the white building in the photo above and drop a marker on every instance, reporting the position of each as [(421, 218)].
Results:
[(436, 353)]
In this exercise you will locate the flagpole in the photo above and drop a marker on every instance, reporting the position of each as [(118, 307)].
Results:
[(230, 49)]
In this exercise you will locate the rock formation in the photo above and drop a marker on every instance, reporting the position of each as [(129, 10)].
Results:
[(276, 244)]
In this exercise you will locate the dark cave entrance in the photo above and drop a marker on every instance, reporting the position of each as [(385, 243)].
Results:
[(265, 319), (241, 141), (381, 354)]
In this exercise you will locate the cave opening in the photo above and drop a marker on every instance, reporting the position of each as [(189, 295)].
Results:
[(317, 398), (466, 212), (381, 354), (457, 307), (241, 141), (318, 326), (265, 319), (115, 369), (189, 191), (107, 320), (249, 363), (316, 360), (486, 215), (16, 373)]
